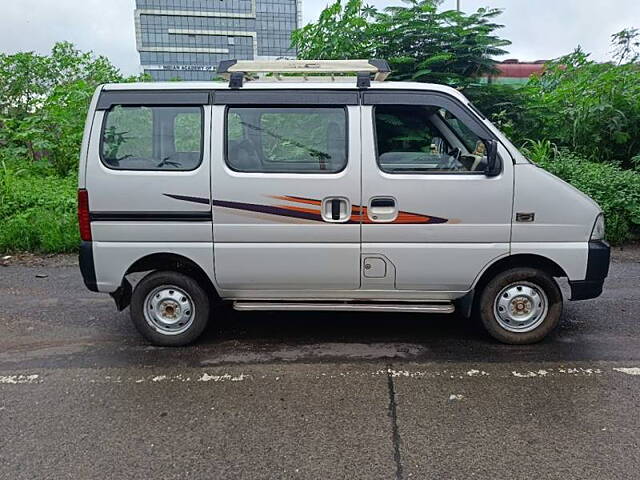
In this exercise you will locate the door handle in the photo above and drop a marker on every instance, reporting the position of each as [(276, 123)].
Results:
[(336, 210), (383, 203), (382, 209)]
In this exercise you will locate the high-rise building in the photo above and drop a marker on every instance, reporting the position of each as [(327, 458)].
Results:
[(187, 39)]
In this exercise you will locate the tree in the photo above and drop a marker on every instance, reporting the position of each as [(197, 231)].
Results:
[(420, 42), (44, 100), (626, 46), (589, 107)]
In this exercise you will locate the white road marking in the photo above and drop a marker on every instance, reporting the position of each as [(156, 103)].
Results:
[(578, 372), (221, 378), (202, 376), (19, 379), (477, 373), (455, 398), (629, 371)]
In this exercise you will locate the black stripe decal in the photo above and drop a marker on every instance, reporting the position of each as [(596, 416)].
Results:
[(185, 198), (151, 217), (250, 207)]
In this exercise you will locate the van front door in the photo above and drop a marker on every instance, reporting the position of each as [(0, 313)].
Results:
[(285, 181), (431, 212)]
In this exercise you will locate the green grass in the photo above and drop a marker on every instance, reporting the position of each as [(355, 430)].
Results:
[(37, 212)]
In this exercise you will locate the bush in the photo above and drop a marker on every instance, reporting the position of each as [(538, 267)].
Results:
[(616, 190), (591, 108), (37, 213)]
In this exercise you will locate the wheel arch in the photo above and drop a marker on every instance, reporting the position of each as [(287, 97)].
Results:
[(163, 261), (525, 260), (175, 263)]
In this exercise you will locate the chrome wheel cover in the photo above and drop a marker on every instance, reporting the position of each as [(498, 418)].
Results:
[(169, 310), (521, 307)]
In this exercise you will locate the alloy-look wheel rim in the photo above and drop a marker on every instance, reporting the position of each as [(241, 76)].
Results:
[(169, 310), (521, 307)]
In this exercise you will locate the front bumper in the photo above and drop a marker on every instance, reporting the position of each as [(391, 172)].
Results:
[(597, 271)]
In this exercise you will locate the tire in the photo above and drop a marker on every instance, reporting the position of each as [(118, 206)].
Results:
[(170, 309), (520, 306)]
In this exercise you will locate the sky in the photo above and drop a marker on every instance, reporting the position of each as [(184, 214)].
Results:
[(539, 29)]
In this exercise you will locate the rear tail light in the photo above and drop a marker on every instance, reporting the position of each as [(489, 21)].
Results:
[(84, 216)]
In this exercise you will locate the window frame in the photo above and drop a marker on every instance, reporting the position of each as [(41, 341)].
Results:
[(288, 106), (151, 106), (375, 98)]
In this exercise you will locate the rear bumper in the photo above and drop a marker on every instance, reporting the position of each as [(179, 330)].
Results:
[(597, 271), (87, 266)]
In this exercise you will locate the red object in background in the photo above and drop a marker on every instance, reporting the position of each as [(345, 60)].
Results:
[(515, 69), (84, 215)]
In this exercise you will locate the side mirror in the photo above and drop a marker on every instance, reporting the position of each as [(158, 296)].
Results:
[(494, 163)]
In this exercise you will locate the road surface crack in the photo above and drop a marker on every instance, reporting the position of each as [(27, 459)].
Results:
[(395, 432)]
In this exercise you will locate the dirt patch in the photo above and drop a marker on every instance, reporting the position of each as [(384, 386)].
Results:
[(33, 260), (628, 253)]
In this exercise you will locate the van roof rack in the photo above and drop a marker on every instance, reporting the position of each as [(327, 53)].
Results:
[(237, 71)]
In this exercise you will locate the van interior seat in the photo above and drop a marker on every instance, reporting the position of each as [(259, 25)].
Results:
[(244, 156), (336, 142)]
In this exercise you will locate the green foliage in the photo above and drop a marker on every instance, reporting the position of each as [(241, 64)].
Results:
[(616, 190), (507, 106), (44, 100), (626, 46), (591, 108), (420, 42), (37, 213)]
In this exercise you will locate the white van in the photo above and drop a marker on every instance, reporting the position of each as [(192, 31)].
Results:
[(326, 194)]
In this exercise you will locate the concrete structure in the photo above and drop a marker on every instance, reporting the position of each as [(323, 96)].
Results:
[(187, 39)]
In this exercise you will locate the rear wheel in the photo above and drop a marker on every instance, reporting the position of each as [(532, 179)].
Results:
[(170, 309), (521, 306)]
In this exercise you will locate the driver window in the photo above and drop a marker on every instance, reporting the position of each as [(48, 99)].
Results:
[(426, 139), (153, 138)]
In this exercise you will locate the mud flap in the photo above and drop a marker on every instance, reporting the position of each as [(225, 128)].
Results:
[(122, 296)]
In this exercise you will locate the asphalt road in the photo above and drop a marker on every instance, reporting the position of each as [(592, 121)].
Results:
[(326, 396)]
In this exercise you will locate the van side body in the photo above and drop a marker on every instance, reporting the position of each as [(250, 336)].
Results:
[(313, 196)]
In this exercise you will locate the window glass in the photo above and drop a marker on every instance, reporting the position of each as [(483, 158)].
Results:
[(287, 140), (153, 138), (426, 139)]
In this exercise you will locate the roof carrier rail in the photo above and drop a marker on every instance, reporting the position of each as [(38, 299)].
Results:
[(236, 71)]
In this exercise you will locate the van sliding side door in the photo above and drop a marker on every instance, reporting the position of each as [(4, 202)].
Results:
[(286, 183)]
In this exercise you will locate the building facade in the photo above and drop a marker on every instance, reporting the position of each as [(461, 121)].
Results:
[(187, 39)]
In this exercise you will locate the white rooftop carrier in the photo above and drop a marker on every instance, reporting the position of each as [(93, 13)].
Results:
[(237, 71)]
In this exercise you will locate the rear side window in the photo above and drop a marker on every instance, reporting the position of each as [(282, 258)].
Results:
[(287, 139), (153, 138)]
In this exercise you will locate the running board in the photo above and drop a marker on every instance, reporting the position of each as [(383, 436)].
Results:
[(343, 307)]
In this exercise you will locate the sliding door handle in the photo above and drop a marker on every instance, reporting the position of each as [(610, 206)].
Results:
[(336, 210)]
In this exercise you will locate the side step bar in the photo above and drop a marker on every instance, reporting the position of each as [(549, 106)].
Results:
[(343, 307)]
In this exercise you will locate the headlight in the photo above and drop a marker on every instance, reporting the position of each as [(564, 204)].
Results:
[(599, 230)]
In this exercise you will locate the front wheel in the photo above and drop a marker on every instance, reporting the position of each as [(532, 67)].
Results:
[(521, 306), (170, 309)]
